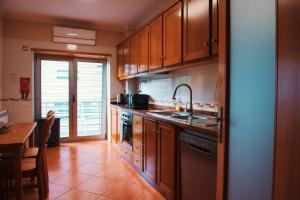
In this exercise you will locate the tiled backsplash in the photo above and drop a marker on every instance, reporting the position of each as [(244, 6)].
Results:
[(202, 79)]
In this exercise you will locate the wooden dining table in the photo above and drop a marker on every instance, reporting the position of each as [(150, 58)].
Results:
[(12, 141)]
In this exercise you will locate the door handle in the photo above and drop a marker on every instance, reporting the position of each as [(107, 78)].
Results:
[(202, 150), (73, 98)]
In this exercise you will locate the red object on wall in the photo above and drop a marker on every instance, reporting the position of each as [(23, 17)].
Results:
[(24, 87)]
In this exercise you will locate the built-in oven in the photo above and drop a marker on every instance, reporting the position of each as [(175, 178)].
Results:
[(126, 129)]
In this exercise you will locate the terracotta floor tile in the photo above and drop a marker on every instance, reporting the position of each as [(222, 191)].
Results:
[(147, 194), (135, 178), (96, 185), (55, 173), (124, 191), (70, 179), (72, 164), (91, 169), (56, 191), (104, 198), (114, 173), (78, 195)]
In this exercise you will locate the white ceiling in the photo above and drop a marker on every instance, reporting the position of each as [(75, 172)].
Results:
[(104, 14)]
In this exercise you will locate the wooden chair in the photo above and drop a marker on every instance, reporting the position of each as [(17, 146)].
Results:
[(37, 167), (32, 152), (31, 167), (6, 178)]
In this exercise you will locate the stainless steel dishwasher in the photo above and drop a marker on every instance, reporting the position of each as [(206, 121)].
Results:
[(198, 159)]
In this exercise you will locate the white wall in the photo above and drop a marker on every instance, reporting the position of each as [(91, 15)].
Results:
[(21, 63)]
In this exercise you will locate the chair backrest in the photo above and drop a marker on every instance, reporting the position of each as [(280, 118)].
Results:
[(50, 112), (46, 131)]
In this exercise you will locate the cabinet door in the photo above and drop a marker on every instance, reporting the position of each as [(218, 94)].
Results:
[(215, 27), (155, 43), (133, 53), (119, 115), (143, 50), (172, 35), (166, 161), (113, 125), (150, 150), (137, 128), (126, 58), (196, 29), (120, 61)]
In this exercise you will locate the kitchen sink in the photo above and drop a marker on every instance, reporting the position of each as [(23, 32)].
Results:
[(164, 113), (204, 120), (185, 117), (179, 115)]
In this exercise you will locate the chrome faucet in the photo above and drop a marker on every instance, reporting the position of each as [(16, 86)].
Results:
[(191, 95)]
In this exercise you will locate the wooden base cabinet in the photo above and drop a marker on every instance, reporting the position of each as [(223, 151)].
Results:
[(137, 132), (160, 156), (150, 150), (166, 160), (113, 124)]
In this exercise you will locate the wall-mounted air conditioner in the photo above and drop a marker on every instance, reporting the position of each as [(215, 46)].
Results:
[(74, 36)]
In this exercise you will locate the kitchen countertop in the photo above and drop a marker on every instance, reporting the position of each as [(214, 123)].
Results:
[(191, 125)]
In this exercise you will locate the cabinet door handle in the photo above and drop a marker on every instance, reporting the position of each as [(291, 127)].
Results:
[(213, 40), (205, 44)]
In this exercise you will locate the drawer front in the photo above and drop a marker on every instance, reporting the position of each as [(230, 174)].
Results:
[(137, 161), (137, 148), (126, 153), (137, 134), (137, 122)]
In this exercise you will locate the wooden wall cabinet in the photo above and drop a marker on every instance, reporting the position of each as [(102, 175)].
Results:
[(166, 160), (126, 58), (215, 27), (196, 29), (155, 43), (150, 150), (187, 31), (133, 54), (143, 50), (172, 35), (120, 61)]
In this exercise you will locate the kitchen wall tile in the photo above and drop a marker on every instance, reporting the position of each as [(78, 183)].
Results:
[(202, 79)]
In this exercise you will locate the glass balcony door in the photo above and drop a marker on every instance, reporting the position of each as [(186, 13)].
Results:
[(89, 101), (76, 91), (55, 92)]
